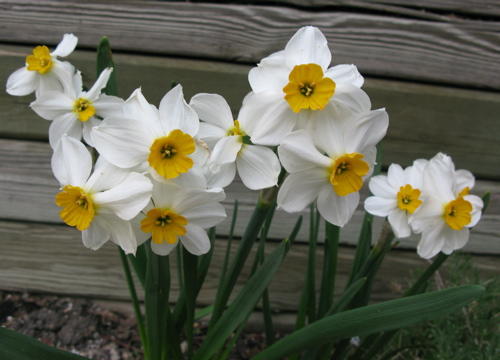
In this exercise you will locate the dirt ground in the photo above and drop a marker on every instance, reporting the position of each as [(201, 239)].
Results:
[(84, 328)]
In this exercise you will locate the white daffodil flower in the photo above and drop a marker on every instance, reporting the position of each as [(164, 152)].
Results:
[(159, 141), (448, 213), (397, 195), (98, 203), (43, 71), (295, 86), (74, 112), (333, 179), (258, 166), (180, 214)]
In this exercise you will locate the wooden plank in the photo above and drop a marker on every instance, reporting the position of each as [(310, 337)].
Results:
[(51, 258), (424, 119), (28, 188), (461, 52)]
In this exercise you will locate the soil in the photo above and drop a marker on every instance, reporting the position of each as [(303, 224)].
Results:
[(82, 327)]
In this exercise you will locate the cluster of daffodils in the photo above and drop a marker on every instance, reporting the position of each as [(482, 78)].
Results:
[(161, 170), (430, 197)]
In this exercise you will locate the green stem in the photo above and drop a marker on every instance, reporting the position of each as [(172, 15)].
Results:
[(135, 301), (190, 265), (329, 268)]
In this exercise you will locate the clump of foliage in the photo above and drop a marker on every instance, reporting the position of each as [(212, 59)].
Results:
[(470, 334)]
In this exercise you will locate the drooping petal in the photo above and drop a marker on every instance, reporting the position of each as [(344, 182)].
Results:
[(379, 206), (455, 240), (345, 74), (196, 240), (225, 151), (66, 46), (399, 223), (432, 240), (175, 113), (258, 167), (127, 198), (213, 109), (22, 82), (301, 189), (162, 249), (336, 209), (67, 124), (308, 46), (122, 141), (71, 162), (221, 178), (97, 234), (297, 153), (122, 234)]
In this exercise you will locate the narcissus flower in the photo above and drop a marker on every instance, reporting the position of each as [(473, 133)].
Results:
[(43, 71), (74, 112), (147, 139), (98, 203), (258, 166), (180, 214), (330, 164), (448, 213), (293, 87), (397, 195)]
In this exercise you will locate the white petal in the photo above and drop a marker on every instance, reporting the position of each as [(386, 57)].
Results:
[(59, 78), (105, 176), (162, 249), (188, 199), (211, 133), (164, 195), (337, 210), (66, 46), (379, 186), (123, 142), (432, 240), (66, 124), (353, 97), (196, 240), (366, 131), (345, 74), (258, 167), (127, 198), (300, 189), (137, 107), (53, 104), (307, 46), (477, 206), (267, 117), (22, 82), (205, 215), (297, 153), (399, 223), (271, 74), (396, 176), (175, 113), (100, 84), (225, 151), (122, 234), (428, 214), (213, 109), (71, 162), (108, 106), (455, 240), (464, 178), (87, 127), (379, 206), (221, 178), (97, 234)]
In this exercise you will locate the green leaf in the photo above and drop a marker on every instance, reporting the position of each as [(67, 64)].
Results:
[(105, 60), (371, 319), (16, 346), (242, 304)]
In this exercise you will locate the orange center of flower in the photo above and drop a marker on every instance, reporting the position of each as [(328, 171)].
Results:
[(40, 61), (408, 198), (168, 154), (84, 109), (346, 173), (164, 225), (79, 209), (458, 213), (308, 88)]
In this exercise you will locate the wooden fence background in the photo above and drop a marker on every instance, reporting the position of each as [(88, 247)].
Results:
[(435, 68)]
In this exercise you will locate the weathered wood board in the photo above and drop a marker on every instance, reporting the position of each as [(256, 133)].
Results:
[(452, 50)]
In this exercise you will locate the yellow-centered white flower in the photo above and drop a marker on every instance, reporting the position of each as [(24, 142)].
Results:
[(43, 71), (159, 141), (330, 164), (397, 195), (74, 112), (258, 166), (448, 213), (294, 87), (180, 214), (98, 203)]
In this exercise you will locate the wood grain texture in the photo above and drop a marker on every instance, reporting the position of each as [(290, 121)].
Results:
[(424, 119), (28, 188), (51, 258), (461, 51)]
